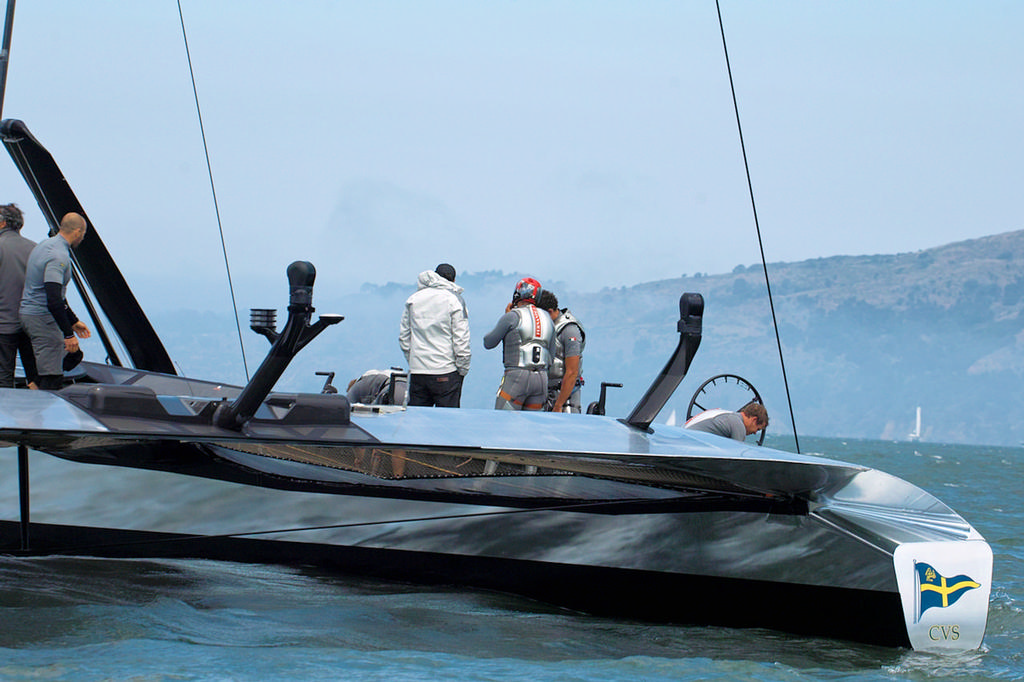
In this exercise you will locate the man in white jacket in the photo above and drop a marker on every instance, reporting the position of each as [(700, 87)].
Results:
[(435, 339)]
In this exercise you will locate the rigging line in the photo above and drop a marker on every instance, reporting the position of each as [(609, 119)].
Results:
[(760, 243), (334, 526), (213, 190)]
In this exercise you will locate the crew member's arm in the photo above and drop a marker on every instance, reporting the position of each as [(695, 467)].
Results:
[(506, 323), (405, 333), (572, 373), (572, 348), (62, 315), (460, 336), (78, 326)]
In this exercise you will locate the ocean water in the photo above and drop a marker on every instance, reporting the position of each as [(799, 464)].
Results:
[(83, 619)]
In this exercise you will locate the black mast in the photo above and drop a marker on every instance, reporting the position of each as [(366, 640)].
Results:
[(5, 52), (23, 479), (98, 269)]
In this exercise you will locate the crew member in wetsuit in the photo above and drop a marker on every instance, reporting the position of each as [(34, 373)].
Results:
[(528, 335), (564, 374)]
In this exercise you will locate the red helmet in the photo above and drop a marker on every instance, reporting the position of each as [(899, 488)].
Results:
[(527, 290)]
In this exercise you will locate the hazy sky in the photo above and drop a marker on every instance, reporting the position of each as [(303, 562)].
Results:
[(590, 142)]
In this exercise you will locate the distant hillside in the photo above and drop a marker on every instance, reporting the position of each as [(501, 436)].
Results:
[(866, 339)]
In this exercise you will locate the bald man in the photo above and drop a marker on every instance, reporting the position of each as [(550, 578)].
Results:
[(45, 313)]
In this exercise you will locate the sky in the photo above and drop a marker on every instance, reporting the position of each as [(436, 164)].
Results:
[(594, 143)]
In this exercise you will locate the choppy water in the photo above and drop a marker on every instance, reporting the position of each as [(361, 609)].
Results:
[(96, 619)]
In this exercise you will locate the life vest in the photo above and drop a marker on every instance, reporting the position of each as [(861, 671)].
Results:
[(557, 368), (535, 333)]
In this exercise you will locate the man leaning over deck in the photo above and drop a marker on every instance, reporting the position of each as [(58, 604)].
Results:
[(751, 418)]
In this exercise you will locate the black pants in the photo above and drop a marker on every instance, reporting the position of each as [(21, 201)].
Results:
[(435, 390), (10, 345)]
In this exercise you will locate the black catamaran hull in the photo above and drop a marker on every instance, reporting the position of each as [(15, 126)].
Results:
[(590, 521), (653, 596)]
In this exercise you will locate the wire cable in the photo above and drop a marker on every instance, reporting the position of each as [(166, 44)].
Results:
[(760, 243), (213, 190)]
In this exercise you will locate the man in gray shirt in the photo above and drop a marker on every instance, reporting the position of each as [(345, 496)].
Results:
[(45, 313), (751, 418), (14, 252), (373, 387)]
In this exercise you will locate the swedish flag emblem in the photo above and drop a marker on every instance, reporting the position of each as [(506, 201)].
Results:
[(938, 590)]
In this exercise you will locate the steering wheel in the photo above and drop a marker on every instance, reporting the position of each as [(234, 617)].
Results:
[(725, 389)]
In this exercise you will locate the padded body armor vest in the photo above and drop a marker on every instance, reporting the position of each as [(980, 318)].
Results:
[(535, 333), (557, 368)]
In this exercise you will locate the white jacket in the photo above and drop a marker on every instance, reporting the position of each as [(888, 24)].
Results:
[(435, 327)]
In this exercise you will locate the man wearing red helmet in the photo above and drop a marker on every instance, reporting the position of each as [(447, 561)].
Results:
[(527, 333)]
